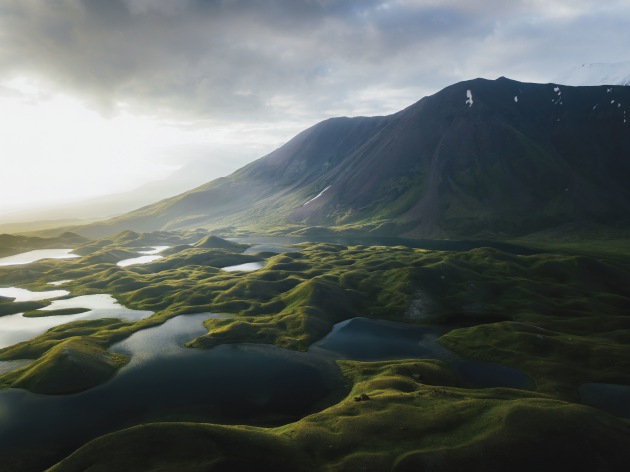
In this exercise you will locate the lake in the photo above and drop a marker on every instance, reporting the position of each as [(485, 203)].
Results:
[(372, 340), (150, 255), (612, 398), (246, 267), (231, 384), (24, 295), (245, 384), (17, 328), (37, 255)]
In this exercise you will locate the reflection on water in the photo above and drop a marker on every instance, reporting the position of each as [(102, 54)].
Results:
[(612, 398), (268, 248), (244, 384), (59, 282), (37, 255), (137, 260), (24, 295), (247, 267), (17, 328), (150, 256), (155, 250), (370, 340)]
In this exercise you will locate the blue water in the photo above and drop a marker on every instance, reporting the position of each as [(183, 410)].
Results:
[(249, 384), (370, 340), (611, 398)]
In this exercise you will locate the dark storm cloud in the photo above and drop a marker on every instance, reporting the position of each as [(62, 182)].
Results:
[(236, 59)]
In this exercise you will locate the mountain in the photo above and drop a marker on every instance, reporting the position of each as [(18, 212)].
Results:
[(481, 157), (617, 73)]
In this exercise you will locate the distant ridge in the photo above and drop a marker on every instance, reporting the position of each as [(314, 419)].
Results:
[(480, 158)]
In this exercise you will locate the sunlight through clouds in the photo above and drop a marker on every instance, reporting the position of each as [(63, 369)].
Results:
[(101, 97)]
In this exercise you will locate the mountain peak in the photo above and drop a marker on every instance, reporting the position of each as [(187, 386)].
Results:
[(479, 158)]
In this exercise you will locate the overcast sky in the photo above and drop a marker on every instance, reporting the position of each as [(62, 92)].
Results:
[(99, 96)]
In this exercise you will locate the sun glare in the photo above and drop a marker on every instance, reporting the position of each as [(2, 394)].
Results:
[(54, 149)]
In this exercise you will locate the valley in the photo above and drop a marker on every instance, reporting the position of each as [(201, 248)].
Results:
[(314, 236), (457, 344), (446, 286)]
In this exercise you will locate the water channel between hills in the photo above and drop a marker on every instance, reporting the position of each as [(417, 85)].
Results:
[(37, 255), (243, 383), (232, 384), (164, 381)]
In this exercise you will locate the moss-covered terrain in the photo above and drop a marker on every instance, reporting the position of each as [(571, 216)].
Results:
[(560, 316), (70, 366), (11, 244), (399, 416)]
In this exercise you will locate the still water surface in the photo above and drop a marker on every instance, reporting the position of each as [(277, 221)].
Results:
[(24, 295), (246, 267), (37, 255), (249, 384), (612, 398), (242, 383), (372, 340), (150, 255), (17, 328)]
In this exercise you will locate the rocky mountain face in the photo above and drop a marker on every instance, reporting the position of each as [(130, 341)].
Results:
[(479, 158)]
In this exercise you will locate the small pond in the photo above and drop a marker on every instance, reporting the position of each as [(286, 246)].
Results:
[(278, 249), (17, 328), (370, 340), (56, 283), (24, 295), (247, 267), (611, 398), (150, 255), (37, 255)]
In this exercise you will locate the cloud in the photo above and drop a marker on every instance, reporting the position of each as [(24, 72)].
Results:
[(237, 60)]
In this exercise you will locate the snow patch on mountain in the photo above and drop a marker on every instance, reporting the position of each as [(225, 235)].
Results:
[(317, 196), (469, 99), (617, 73)]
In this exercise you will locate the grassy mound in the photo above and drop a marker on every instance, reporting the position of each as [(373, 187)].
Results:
[(61, 311), (577, 304), (557, 362), (214, 242), (70, 366), (400, 416)]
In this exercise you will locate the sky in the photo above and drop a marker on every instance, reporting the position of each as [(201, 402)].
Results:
[(102, 96)]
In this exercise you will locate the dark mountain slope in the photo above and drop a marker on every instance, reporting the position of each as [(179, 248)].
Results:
[(478, 158)]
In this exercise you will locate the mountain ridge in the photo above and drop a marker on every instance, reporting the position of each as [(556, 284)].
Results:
[(479, 157)]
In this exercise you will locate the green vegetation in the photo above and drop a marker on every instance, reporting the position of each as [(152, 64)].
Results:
[(8, 307), (61, 311), (560, 317), (70, 366), (539, 313), (14, 244), (409, 416)]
